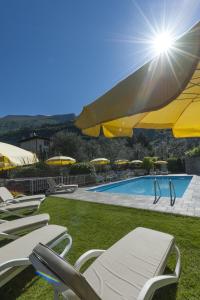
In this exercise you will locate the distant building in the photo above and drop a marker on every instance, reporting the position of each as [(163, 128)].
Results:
[(37, 144)]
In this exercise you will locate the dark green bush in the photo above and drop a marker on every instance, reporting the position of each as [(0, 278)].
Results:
[(148, 163), (176, 165), (82, 168), (193, 152), (38, 170)]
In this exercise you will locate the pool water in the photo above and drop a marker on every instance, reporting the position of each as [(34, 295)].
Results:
[(145, 186)]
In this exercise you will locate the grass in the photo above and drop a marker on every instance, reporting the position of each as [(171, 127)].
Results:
[(99, 226)]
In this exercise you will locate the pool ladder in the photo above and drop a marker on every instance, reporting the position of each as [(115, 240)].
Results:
[(157, 192), (172, 192)]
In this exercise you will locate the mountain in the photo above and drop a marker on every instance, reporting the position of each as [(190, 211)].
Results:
[(17, 122)]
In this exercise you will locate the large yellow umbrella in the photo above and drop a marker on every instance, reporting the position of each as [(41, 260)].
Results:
[(60, 161), (5, 163), (121, 161), (100, 161), (12, 156), (164, 93)]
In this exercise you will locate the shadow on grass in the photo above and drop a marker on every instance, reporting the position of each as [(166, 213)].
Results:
[(168, 292), (14, 288)]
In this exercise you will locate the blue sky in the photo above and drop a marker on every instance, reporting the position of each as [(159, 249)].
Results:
[(56, 56)]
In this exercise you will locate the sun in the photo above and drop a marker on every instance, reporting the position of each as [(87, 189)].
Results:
[(162, 43)]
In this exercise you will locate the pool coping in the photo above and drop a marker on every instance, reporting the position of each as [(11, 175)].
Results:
[(187, 205)]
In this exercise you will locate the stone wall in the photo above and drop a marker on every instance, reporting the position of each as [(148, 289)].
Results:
[(192, 165)]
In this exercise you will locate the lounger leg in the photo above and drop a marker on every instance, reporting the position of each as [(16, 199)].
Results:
[(56, 295)]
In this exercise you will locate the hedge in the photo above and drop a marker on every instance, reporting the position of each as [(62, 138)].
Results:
[(82, 168)]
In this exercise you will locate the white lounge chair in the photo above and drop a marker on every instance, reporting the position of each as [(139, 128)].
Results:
[(131, 269), (14, 257), (55, 188), (12, 229), (18, 209), (6, 196)]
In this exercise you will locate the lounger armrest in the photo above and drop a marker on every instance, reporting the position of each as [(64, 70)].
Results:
[(87, 256), (154, 284), (67, 237), (15, 263), (157, 282)]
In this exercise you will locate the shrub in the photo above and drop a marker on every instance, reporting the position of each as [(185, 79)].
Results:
[(176, 165), (148, 163), (82, 168), (38, 170), (193, 152)]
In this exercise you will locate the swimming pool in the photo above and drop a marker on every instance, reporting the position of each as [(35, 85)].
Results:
[(145, 186)]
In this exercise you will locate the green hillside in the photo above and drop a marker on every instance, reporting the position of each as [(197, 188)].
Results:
[(13, 122), (159, 143)]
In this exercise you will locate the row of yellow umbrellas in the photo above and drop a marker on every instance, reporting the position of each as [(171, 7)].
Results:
[(8, 162), (65, 160)]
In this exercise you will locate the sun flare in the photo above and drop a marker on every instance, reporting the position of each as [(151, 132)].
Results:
[(162, 43)]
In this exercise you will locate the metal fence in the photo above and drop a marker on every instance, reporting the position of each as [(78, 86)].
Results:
[(34, 185)]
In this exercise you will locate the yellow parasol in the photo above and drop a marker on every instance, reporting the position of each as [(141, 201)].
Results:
[(121, 162), (160, 162), (136, 161), (164, 93), (60, 161), (100, 161), (12, 156)]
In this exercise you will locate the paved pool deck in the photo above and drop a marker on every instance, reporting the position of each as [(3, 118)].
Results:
[(188, 205)]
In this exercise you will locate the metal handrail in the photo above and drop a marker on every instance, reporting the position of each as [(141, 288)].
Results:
[(172, 193), (156, 189)]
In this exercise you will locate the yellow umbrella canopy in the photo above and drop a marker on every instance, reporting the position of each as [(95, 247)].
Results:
[(164, 93), (121, 161), (136, 161), (100, 161), (5, 163), (12, 156), (60, 161), (161, 162)]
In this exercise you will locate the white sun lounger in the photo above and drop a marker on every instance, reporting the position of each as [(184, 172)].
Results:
[(14, 257), (11, 229), (6, 196), (60, 188), (131, 269), (18, 209)]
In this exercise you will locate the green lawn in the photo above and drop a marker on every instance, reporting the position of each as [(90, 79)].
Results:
[(99, 226)]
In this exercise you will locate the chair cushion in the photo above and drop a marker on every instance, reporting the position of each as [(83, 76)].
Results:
[(122, 270), (23, 223), (30, 198), (22, 247), (19, 206)]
